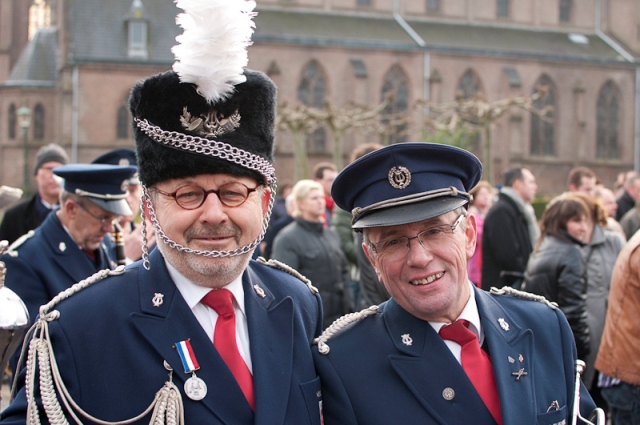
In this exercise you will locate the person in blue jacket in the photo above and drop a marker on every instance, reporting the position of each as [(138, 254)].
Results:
[(196, 332), (401, 362)]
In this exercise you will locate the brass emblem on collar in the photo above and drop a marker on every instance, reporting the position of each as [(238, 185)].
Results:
[(210, 125), (157, 299), (259, 291), (399, 177)]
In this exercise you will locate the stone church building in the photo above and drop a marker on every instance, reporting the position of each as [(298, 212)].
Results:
[(71, 63)]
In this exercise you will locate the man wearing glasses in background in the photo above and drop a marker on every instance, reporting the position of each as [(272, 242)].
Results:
[(69, 245), (440, 351)]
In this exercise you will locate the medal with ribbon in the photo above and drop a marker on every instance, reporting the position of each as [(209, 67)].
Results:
[(195, 388)]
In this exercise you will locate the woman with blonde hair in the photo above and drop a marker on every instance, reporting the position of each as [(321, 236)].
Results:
[(314, 250), (556, 268)]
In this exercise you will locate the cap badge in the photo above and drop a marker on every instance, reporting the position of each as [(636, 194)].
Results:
[(124, 162), (210, 125), (399, 177)]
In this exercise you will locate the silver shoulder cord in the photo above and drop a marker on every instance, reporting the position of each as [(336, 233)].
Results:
[(167, 405)]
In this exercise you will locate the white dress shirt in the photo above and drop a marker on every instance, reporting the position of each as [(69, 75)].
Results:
[(207, 316)]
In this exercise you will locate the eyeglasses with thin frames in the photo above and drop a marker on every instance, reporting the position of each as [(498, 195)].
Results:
[(192, 196), (395, 248), (102, 220)]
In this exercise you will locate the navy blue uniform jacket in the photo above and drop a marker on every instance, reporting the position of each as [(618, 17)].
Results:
[(110, 342), (48, 263), (371, 376)]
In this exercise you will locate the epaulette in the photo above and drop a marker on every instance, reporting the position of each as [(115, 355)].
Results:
[(508, 290), (18, 242), (293, 272), (45, 310), (339, 325)]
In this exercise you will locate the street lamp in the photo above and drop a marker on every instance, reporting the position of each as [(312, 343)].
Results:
[(24, 120)]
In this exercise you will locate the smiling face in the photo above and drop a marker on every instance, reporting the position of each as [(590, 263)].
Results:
[(210, 227), (430, 281)]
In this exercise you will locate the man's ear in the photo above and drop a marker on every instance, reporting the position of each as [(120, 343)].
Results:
[(266, 196), (471, 234)]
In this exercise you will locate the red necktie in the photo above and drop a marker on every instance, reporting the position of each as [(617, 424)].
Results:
[(476, 364), (221, 301)]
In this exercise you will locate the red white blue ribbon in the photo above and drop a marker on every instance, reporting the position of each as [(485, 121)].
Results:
[(187, 356)]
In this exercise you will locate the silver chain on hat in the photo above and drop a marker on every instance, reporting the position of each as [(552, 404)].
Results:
[(212, 148)]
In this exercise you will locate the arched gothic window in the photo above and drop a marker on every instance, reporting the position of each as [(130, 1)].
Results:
[(396, 86), (122, 125), (38, 122), (469, 85), (312, 91), (608, 122), (12, 122), (543, 131)]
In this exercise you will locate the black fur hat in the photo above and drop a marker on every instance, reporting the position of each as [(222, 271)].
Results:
[(244, 120)]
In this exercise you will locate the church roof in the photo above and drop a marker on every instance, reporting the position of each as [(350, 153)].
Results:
[(37, 65)]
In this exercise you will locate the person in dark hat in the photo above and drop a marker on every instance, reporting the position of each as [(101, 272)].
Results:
[(440, 351), (29, 214), (128, 233), (196, 332), (69, 245)]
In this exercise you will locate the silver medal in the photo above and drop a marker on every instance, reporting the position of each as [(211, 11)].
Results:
[(195, 388)]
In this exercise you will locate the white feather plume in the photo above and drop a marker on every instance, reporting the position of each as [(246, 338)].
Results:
[(213, 47)]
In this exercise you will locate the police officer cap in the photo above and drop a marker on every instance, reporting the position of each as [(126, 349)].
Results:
[(104, 185), (121, 156), (406, 183)]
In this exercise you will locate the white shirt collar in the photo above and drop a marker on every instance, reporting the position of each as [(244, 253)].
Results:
[(193, 293), (469, 313)]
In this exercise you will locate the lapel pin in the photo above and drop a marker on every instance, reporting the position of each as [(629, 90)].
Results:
[(62, 247), (503, 324), (259, 291), (194, 387), (406, 339), (519, 374), (448, 393), (520, 358), (511, 359), (157, 299)]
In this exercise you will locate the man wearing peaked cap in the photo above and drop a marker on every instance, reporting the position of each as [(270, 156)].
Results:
[(197, 331), (440, 351), (130, 233), (69, 245)]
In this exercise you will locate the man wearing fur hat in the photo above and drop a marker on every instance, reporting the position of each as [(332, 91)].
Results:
[(440, 351), (29, 214), (196, 332)]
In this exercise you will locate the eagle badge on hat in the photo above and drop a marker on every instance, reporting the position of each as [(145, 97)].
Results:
[(212, 124)]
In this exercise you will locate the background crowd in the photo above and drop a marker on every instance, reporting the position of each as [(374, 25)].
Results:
[(568, 254)]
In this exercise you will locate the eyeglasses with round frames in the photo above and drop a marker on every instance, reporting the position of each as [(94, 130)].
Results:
[(396, 248), (192, 196), (102, 220)]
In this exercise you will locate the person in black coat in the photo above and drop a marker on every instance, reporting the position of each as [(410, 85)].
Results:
[(556, 269), (510, 231), (30, 213)]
